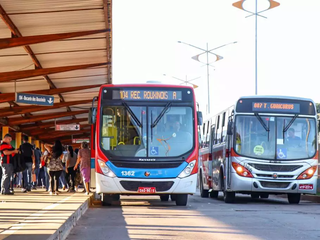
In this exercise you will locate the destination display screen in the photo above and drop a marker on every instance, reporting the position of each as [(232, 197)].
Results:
[(141, 95), (276, 107)]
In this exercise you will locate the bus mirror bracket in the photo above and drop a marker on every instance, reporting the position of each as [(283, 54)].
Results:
[(93, 112), (199, 118)]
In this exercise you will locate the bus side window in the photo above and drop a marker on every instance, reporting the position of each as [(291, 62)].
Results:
[(218, 131), (213, 132), (204, 134), (207, 134), (223, 123)]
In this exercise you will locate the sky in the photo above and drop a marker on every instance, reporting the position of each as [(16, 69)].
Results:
[(146, 35)]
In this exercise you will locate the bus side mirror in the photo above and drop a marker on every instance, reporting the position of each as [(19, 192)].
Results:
[(199, 118), (92, 115), (230, 130)]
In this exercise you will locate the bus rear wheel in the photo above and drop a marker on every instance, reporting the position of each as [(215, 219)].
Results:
[(214, 194), (181, 199), (173, 197), (294, 198), (203, 193), (255, 195), (164, 197), (264, 195)]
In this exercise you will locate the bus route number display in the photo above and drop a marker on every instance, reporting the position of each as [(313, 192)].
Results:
[(276, 107), (140, 95)]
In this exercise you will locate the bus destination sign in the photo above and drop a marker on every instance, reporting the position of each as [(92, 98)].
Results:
[(141, 95), (276, 107)]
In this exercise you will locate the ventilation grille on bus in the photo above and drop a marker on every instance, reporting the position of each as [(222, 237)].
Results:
[(274, 184), (134, 185), (147, 165), (275, 168)]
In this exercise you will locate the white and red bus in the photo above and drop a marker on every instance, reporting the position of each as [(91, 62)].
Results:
[(262, 145), (145, 141)]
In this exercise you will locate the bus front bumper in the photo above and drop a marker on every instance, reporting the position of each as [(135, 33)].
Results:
[(117, 185), (243, 184)]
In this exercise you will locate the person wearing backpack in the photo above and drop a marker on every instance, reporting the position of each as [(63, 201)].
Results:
[(27, 151), (7, 156)]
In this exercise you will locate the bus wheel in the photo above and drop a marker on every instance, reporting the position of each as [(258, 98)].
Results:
[(214, 194), (164, 197), (116, 197), (173, 197), (264, 195), (107, 199), (294, 198), (181, 199), (229, 197), (255, 195), (203, 193)]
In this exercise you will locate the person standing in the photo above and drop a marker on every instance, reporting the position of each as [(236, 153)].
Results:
[(84, 159), (54, 165), (37, 155), (7, 154), (71, 159), (27, 152)]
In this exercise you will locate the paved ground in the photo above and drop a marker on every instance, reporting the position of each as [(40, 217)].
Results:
[(143, 217), (35, 215)]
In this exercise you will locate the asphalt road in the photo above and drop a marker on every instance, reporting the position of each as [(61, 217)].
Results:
[(144, 217)]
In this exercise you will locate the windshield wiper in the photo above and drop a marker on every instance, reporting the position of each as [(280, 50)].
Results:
[(263, 124), (132, 114), (285, 128), (161, 115)]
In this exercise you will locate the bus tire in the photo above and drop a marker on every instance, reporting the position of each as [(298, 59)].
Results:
[(203, 193), (173, 197), (164, 197), (181, 199), (294, 198), (107, 199), (264, 195), (255, 195), (229, 197), (214, 194)]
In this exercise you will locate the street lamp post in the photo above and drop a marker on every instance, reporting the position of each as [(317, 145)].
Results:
[(239, 5), (207, 51)]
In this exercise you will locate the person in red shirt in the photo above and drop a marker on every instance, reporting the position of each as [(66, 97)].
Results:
[(7, 154)]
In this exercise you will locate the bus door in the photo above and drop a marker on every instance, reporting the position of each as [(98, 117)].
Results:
[(229, 145)]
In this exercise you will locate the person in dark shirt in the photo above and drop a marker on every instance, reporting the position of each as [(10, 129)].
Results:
[(37, 155), (28, 155), (7, 154), (292, 139)]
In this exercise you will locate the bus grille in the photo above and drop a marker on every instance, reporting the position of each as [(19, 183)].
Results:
[(275, 168), (274, 184), (134, 185), (147, 165)]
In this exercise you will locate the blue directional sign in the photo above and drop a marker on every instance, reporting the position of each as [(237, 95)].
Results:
[(29, 98)]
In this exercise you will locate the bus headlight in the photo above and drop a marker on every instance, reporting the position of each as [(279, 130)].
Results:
[(105, 169), (307, 174), (188, 170)]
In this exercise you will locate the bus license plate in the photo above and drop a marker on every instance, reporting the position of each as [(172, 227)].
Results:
[(306, 186), (146, 190)]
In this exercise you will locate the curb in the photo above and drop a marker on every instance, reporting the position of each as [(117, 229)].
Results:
[(64, 230), (312, 198)]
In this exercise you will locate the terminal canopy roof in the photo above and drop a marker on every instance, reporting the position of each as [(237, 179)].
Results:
[(58, 48)]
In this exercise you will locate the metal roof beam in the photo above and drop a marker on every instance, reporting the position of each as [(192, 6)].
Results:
[(10, 76), (7, 97), (21, 120), (24, 41)]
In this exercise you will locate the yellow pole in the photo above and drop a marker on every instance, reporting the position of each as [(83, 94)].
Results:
[(37, 143), (42, 147), (30, 140), (18, 139), (5, 130)]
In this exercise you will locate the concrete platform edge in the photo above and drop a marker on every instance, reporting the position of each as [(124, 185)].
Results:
[(312, 198), (63, 232)]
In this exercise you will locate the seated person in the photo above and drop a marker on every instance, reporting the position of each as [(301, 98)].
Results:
[(292, 139)]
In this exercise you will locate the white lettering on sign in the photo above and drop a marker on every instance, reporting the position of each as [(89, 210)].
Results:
[(128, 173), (68, 127)]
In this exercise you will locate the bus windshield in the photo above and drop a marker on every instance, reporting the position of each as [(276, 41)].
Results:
[(147, 131), (275, 137)]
